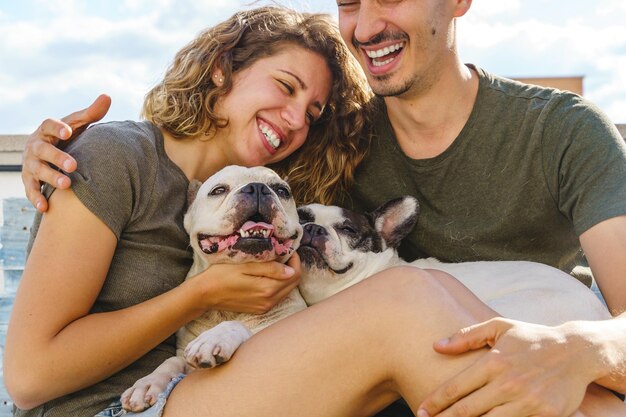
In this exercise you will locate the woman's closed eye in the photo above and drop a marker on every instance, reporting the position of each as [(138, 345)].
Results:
[(289, 89)]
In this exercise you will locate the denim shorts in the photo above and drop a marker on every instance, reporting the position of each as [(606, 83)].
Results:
[(115, 409)]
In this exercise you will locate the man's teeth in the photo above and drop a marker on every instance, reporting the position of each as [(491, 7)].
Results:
[(271, 136), (383, 52), (264, 233)]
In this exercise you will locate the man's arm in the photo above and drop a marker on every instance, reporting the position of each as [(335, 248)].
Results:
[(576, 353), (605, 248)]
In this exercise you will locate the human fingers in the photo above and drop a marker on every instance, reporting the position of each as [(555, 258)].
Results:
[(34, 170), (273, 270), (456, 388), (81, 119), (474, 337), (34, 195)]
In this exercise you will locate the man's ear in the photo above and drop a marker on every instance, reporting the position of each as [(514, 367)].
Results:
[(395, 219), (462, 6), (218, 76)]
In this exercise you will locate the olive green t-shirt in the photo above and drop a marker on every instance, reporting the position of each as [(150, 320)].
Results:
[(532, 169), (126, 179)]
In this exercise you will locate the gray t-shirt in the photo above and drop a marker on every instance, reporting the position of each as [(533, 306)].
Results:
[(532, 169), (125, 178)]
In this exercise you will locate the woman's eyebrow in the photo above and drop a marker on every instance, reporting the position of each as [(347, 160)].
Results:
[(304, 87)]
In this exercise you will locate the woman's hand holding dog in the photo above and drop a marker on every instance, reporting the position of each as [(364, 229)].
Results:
[(253, 287)]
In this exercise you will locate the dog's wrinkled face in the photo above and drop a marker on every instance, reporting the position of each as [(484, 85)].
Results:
[(243, 215), (340, 247)]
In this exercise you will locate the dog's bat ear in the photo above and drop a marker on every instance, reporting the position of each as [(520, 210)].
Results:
[(192, 191), (395, 219)]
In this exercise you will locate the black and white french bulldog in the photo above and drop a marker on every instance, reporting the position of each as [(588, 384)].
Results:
[(340, 248), (238, 215)]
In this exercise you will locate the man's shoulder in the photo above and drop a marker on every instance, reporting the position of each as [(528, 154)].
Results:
[(507, 88)]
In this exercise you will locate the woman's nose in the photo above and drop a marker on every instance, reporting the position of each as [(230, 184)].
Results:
[(295, 116)]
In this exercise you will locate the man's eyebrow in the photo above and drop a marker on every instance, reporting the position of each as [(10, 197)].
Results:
[(304, 87)]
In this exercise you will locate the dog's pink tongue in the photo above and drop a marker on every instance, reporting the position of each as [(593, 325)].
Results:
[(257, 225)]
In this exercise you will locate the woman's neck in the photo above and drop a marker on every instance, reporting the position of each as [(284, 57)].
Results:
[(198, 157)]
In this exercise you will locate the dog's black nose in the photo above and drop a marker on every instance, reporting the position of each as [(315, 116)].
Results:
[(256, 188), (257, 202), (313, 235), (315, 230)]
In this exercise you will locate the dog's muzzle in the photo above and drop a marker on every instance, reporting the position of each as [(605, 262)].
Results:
[(255, 234)]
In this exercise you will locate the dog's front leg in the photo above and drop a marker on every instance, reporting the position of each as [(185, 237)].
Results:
[(216, 345), (144, 392)]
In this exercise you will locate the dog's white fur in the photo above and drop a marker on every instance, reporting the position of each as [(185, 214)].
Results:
[(520, 290), (219, 209)]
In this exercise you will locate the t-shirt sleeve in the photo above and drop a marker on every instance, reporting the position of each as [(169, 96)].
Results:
[(585, 156), (107, 177)]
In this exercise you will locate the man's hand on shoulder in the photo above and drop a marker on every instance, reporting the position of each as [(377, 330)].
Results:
[(41, 149)]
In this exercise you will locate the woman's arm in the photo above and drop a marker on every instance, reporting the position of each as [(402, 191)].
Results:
[(54, 345)]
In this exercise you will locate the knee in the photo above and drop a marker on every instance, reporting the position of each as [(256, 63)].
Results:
[(407, 287)]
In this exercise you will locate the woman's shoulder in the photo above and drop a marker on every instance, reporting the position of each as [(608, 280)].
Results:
[(127, 135), (136, 142)]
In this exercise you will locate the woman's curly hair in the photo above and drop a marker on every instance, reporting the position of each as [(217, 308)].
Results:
[(184, 102)]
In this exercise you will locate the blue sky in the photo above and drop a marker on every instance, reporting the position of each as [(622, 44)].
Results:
[(56, 56)]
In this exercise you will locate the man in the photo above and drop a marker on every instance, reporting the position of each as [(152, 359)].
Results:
[(479, 154), (502, 171)]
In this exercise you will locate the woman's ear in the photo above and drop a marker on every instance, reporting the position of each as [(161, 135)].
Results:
[(218, 77)]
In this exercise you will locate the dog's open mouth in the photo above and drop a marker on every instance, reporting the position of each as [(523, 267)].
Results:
[(253, 238)]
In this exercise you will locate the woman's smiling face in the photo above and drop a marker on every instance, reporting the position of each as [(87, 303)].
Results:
[(272, 105)]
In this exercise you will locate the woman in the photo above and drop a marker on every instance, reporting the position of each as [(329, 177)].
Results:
[(101, 293)]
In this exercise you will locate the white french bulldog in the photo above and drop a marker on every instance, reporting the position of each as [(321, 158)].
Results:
[(340, 248), (238, 215)]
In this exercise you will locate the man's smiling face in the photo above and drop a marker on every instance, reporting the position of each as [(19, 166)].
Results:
[(401, 44)]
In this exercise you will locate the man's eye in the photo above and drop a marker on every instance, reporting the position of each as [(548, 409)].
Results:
[(347, 4)]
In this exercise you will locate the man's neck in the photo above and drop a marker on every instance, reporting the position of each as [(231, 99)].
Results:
[(427, 124)]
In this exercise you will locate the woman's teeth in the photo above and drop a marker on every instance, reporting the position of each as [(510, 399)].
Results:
[(271, 136), (379, 53)]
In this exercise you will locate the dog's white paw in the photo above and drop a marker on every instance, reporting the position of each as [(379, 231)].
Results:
[(144, 392), (216, 345)]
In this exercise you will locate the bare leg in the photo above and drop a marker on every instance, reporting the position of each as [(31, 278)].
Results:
[(348, 356)]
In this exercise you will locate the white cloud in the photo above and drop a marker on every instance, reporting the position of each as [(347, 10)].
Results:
[(67, 52), (491, 8), (516, 42)]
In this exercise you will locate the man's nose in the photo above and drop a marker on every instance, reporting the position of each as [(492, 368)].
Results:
[(369, 22)]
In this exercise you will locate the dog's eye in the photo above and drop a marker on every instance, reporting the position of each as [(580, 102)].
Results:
[(220, 189), (283, 192), (347, 228)]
